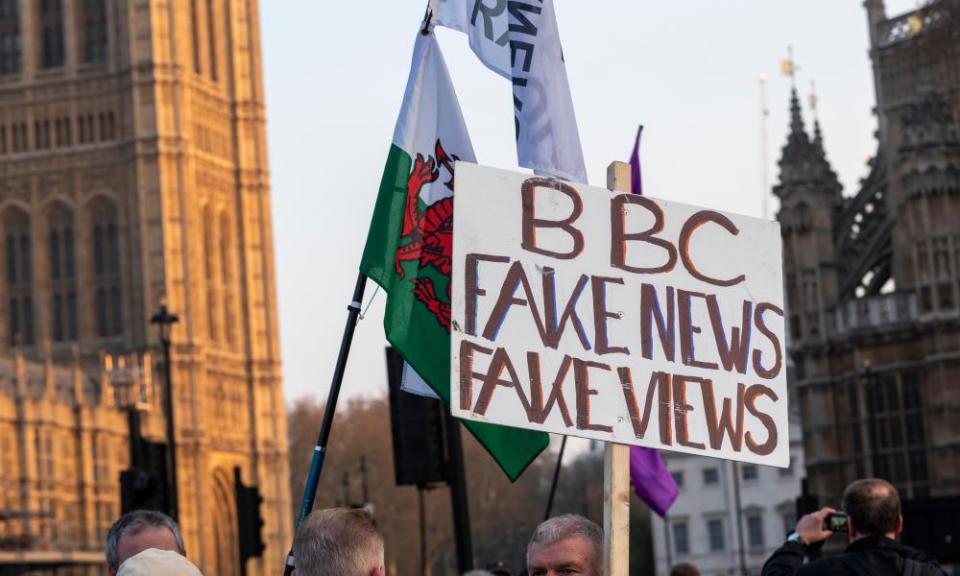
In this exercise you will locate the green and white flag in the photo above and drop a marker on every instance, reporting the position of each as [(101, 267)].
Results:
[(410, 244)]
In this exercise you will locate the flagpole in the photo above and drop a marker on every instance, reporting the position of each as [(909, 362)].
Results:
[(320, 450), (556, 479)]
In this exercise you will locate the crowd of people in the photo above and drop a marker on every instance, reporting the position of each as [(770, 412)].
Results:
[(347, 542)]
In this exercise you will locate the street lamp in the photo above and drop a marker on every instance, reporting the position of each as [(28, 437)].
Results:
[(164, 319)]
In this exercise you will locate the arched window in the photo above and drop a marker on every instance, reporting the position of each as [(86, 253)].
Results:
[(18, 277), (210, 272), (63, 274), (226, 277), (95, 31), (106, 269)]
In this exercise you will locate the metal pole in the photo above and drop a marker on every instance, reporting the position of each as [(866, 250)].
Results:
[(556, 479), (764, 149), (320, 450), (458, 496), (736, 499), (666, 540), (423, 529), (171, 437)]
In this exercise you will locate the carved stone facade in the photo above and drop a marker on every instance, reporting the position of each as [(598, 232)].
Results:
[(133, 168), (873, 279)]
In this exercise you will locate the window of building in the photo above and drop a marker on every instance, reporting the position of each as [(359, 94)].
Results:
[(788, 471), (94, 31), (212, 40), (895, 430), (210, 272), (226, 278), (789, 522), (750, 472), (195, 30), (715, 532), (677, 478), (51, 33), (755, 531), (10, 41), (106, 269), (681, 537), (711, 476), (19, 278), (60, 244)]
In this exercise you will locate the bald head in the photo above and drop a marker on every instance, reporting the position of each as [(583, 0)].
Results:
[(873, 506)]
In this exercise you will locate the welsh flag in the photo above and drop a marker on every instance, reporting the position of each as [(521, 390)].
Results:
[(409, 247)]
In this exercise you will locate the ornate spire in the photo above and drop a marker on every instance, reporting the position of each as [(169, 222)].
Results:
[(803, 162)]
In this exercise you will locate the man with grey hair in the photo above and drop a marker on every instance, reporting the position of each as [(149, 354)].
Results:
[(339, 542), (140, 530), (567, 544)]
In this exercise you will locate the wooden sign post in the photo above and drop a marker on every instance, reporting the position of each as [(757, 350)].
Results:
[(616, 457)]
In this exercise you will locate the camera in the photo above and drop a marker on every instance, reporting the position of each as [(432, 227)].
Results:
[(835, 522)]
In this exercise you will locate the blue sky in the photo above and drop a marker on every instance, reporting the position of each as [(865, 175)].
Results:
[(688, 70)]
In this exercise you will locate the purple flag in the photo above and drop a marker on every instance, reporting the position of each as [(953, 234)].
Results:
[(651, 480), (636, 182), (649, 475)]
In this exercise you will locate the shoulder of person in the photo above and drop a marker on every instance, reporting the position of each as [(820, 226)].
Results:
[(827, 566)]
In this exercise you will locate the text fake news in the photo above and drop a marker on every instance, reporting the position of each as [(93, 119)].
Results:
[(688, 329)]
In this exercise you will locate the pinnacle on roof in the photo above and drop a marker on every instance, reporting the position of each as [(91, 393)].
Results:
[(804, 161)]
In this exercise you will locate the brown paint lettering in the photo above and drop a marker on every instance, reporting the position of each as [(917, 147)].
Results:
[(620, 237), (737, 352), (530, 223), (515, 278), (681, 409), (750, 401), (471, 283), (554, 328), (686, 233), (499, 363), (467, 375), (650, 313), (716, 427), (688, 329), (584, 392), (540, 411), (600, 315), (762, 328), (659, 380)]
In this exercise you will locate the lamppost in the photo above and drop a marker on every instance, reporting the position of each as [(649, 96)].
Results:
[(164, 319)]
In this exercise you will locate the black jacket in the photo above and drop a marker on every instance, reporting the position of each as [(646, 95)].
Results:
[(869, 556)]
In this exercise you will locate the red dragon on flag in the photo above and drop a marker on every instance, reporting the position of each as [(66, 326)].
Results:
[(428, 231)]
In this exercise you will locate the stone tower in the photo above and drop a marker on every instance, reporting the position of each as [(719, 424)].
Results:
[(873, 278), (133, 168)]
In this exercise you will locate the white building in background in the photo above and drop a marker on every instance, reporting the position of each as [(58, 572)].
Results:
[(701, 527)]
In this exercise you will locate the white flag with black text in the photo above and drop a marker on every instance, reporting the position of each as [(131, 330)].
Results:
[(519, 40)]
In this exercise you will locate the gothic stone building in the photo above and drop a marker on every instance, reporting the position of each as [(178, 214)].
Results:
[(133, 168), (873, 279)]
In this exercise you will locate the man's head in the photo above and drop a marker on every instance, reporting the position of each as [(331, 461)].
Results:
[(873, 508), (338, 542), (684, 569), (137, 531), (566, 544)]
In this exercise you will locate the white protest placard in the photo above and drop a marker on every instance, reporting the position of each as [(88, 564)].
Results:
[(617, 317)]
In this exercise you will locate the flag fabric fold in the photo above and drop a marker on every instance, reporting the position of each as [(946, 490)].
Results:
[(520, 41), (409, 247), (650, 477), (651, 480)]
